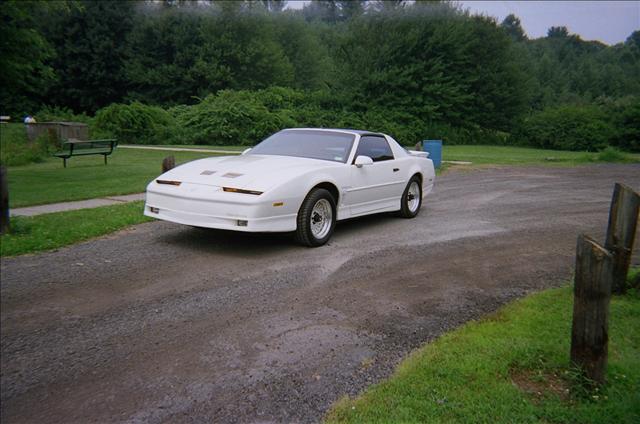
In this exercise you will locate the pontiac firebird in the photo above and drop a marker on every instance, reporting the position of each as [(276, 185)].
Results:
[(301, 180)]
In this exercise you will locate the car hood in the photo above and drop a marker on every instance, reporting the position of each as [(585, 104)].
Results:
[(250, 172)]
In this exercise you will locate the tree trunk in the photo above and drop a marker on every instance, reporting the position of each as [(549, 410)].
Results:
[(4, 201), (592, 292), (168, 163)]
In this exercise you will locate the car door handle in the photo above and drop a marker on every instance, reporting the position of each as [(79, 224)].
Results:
[(396, 169)]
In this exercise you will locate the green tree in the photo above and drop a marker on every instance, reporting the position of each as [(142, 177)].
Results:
[(322, 10), (350, 9), (24, 69), (90, 44), (274, 5), (388, 5), (241, 51), (438, 67), (164, 57), (303, 47), (511, 24), (558, 32)]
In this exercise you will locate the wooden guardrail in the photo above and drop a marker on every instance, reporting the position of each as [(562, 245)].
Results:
[(599, 272), (621, 231)]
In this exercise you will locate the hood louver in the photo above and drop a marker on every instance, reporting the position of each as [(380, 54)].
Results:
[(232, 175)]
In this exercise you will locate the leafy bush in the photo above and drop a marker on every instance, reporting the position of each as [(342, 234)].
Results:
[(231, 117), (246, 117), (15, 148), (135, 123), (611, 154), (567, 127), (279, 98), (626, 119), (55, 113)]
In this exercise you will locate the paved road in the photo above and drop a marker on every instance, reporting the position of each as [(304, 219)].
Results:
[(165, 323)]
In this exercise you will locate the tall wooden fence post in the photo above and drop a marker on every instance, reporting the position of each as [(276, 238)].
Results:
[(592, 292), (4, 201), (621, 232), (168, 163)]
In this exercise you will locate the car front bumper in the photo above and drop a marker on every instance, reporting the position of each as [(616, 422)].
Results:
[(221, 210)]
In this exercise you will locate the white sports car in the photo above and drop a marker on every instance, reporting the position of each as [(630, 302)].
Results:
[(301, 180)]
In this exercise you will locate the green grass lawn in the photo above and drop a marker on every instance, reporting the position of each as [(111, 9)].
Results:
[(87, 177), (54, 230), (510, 367), (504, 155)]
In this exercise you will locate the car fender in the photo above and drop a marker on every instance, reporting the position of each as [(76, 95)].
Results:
[(321, 178), (293, 192)]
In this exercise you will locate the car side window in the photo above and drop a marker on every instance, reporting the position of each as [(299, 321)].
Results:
[(375, 147)]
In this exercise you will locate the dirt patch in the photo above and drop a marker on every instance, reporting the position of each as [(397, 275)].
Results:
[(539, 385)]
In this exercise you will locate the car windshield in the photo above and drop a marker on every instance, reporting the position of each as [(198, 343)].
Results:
[(324, 145)]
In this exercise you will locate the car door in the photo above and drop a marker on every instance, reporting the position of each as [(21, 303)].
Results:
[(378, 186)]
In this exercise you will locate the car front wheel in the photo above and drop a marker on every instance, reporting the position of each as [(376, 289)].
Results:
[(316, 218), (411, 198)]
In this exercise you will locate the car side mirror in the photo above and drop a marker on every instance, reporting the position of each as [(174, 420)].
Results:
[(363, 160), (245, 151)]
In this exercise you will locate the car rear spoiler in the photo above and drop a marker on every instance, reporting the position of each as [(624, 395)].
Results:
[(418, 153)]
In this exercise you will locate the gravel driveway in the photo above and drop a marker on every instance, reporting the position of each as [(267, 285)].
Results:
[(165, 323)]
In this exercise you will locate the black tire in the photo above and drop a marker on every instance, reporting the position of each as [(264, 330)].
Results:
[(406, 211), (304, 233)]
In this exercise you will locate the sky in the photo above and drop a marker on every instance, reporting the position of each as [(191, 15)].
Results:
[(610, 22)]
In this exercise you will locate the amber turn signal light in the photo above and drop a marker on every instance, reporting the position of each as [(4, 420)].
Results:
[(239, 190), (175, 183)]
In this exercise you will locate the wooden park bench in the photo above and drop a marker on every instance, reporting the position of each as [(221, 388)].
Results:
[(74, 147)]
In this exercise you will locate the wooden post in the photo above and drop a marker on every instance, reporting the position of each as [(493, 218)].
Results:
[(168, 163), (592, 292), (4, 201), (621, 232)]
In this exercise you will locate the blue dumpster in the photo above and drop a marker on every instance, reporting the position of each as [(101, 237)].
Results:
[(434, 147)]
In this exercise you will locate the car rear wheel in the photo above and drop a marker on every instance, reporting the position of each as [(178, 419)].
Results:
[(411, 198), (316, 218)]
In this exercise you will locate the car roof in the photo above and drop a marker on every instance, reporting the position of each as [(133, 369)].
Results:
[(344, 130)]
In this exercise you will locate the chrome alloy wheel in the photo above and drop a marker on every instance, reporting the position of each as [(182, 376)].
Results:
[(413, 197), (321, 219)]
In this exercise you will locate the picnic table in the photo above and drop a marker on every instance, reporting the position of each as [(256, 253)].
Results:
[(73, 147)]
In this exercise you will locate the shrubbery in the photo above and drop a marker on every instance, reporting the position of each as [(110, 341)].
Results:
[(230, 117), (55, 113), (569, 127), (135, 123), (242, 117), (626, 120), (246, 117), (579, 127), (16, 149)]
